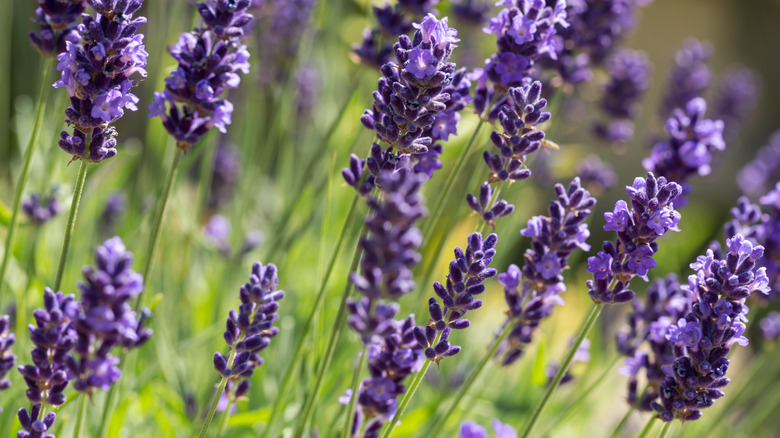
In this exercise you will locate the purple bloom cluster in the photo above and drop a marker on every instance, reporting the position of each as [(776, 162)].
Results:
[(96, 72), (644, 343), (737, 98), (594, 31), (525, 31), (533, 291), (390, 361), (688, 150), (7, 358), (652, 214), (249, 331), (770, 326), (474, 430), (486, 207), (389, 254), (209, 58), (760, 175), (39, 209), (35, 426), (596, 175), (56, 21), (467, 272), (689, 76), (106, 319), (629, 78), (703, 337)]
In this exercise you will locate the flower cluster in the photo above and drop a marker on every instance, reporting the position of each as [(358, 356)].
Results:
[(56, 21), (652, 215), (39, 209), (249, 331), (688, 150), (209, 58), (644, 343), (390, 361), (689, 75), (533, 291), (594, 31), (737, 98), (760, 175), (703, 337), (474, 430), (7, 358), (106, 319), (596, 175), (525, 31), (96, 71), (467, 272), (629, 78), (35, 426), (389, 254)]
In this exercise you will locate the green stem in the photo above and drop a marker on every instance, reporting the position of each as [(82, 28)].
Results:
[(648, 427), (43, 94), (215, 400), (80, 416), (466, 386), (70, 227), (224, 422), (158, 218), (358, 376), (308, 408), (588, 324), (441, 201), (297, 355), (623, 422), (665, 430), (418, 378)]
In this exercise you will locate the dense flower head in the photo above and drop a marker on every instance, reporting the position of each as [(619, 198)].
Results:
[(40, 209), (760, 175), (250, 329), (53, 336), (7, 357), (532, 291), (689, 75), (33, 425), (716, 321), (737, 98), (209, 58), (389, 252), (525, 31), (596, 175), (56, 20), (106, 319), (644, 342), (467, 273), (96, 71), (629, 78), (650, 216), (593, 32), (689, 147), (486, 207), (390, 361)]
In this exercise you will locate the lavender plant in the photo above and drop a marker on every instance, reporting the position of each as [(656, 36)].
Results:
[(40, 210)]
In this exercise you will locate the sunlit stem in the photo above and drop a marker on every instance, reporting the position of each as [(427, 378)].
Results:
[(71, 225)]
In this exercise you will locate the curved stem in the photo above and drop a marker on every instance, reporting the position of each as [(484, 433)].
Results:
[(648, 427), (358, 376), (74, 209), (341, 316), (158, 218), (215, 400), (297, 355), (438, 427), (80, 416), (665, 430), (588, 324), (32, 144)]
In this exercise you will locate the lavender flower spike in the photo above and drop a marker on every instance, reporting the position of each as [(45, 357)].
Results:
[(467, 272), (106, 319), (689, 76), (35, 426), (702, 339), (249, 331), (96, 72), (210, 58), (7, 358), (57, 25), (651, 215), (533, 291)]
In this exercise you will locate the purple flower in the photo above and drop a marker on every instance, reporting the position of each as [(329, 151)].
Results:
[(770, 326), (596, 175), (57, 25), (473, 430), (618, 219), (737, 98), (549, 266), (422, 63), (629, 78), (689, 75), (7, 357), (96, 69), (217, 231), (39, 209), (209, 58), (250, 330), (33, 426), (759, 176), (445, 124), (685, 332), (600, 265)]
